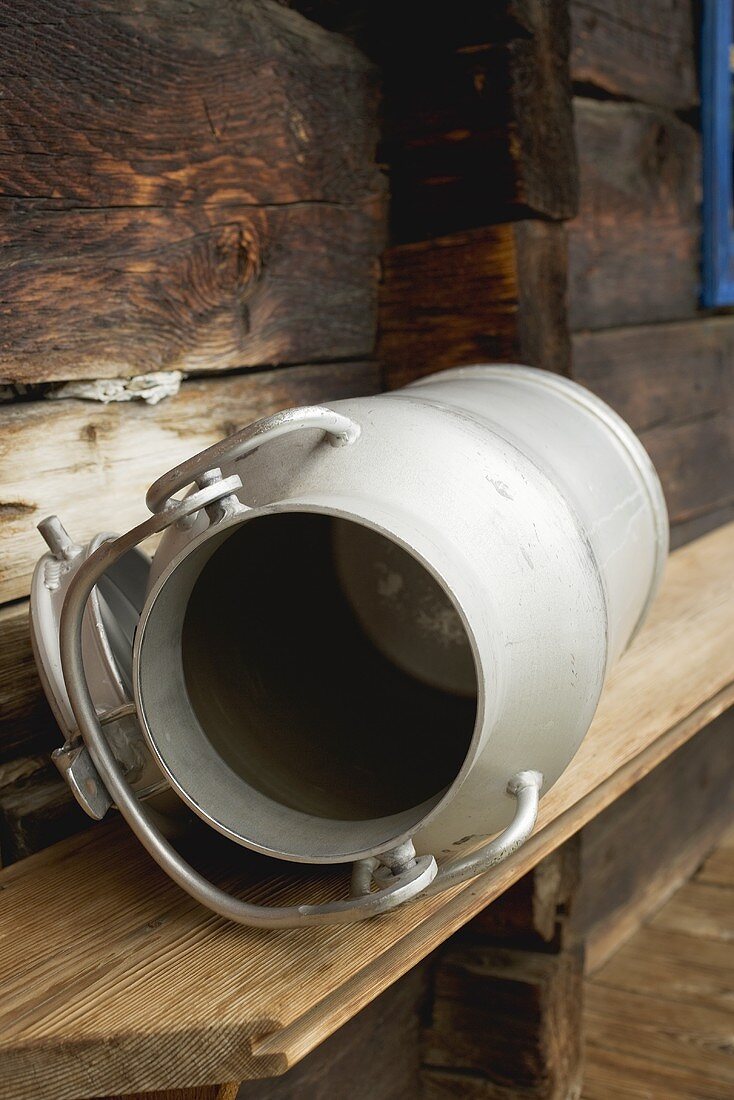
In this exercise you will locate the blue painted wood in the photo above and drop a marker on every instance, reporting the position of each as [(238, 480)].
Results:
[(718, 207)]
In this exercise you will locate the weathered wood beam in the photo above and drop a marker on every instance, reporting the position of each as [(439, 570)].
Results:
[(111, 293), (505, 1024), (637, 853), (674, 383), (92, 463), (27, 725), (494, 294), (505, 1019), (534, 913), (633, 250), (183, 193), (479, 131), (477, 125), (640, 51)]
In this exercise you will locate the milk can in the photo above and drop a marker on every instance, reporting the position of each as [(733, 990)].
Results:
[(373, 632)]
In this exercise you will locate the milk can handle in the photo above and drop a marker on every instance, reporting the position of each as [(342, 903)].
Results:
[(409, 875), (340, 430)]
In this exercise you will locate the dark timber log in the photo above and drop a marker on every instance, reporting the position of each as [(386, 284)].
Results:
[(505, 1020), (110, 293), (491, 294), (640, 51), (477, 125), (674, 384), (481, 133), (634, 247), (637, 853), (183, 192), (505, 1024)]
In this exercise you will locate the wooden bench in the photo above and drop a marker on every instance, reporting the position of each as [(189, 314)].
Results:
[(112, 981)]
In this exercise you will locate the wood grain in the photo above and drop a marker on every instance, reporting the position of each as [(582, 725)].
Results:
[(476, 116), (674, 384), (208, 1092), (183, 192), (637, 853), (696, 464), (495, 294), (658, 1014), (693, 1037), (633, 250), (511, 1019), (533, 913), (654, 375), (93, 463), (479, 130), (638, 51), (700, 909), (679, 967), (113, 293), (190, 999), (375, 1056), (27, 725)]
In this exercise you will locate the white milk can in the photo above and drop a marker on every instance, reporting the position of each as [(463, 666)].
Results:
[(372, 632)]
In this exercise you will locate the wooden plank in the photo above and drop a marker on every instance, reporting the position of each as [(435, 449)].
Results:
[(476, 116), (654, 375), (71, 457), (190, 999), (375, 1056), (533, 913), (505, 1009), (694, 1037), (718, 869), (494, 294), (674, 384), (207, 186), (658, 1014), (208, 1092), (700, 909), (644, 52), (696, 464), (36, 808), (688, 530), (623, 1075), (676, 966), (636, 854), (633, 249)]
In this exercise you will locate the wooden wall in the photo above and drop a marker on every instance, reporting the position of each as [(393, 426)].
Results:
[(603, 283), (186, 190), (639, 337)]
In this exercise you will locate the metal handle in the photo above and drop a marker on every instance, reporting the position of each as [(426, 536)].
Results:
[(399, 874), (409, 876), (525, 786), (340, 430)]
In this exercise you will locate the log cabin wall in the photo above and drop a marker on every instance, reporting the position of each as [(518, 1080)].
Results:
[(639, 335), (190, 205)]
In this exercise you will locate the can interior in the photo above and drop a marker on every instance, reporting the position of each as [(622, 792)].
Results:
[(324, 745)]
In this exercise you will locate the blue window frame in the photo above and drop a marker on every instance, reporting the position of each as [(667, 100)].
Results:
[(718, 185)]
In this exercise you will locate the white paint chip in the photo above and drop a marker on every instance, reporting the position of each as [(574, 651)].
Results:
[(150, 388)]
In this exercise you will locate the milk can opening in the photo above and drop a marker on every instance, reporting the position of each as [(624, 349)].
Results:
[(308, 686)]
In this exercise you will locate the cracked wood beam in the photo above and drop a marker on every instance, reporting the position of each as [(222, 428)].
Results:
[(92, 463), (190, 194)]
